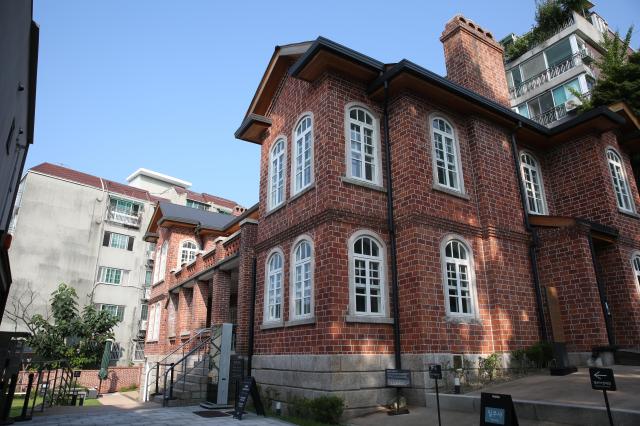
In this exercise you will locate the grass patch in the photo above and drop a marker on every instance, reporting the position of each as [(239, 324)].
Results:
[(18, 402), (128, 388), (301, 422)]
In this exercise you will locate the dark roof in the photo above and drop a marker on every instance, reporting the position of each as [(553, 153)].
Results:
[(96, 182), (206, 198), (203, 218)]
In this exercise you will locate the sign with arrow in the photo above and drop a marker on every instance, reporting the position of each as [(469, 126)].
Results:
[(602, 379)]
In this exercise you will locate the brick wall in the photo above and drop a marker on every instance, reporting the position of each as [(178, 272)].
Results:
[(118, 378)]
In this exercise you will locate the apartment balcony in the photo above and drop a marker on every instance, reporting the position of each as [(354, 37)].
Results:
[(554, 116), (129, 220), (530, 85)]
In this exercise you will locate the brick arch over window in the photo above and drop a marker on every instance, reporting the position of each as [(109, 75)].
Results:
[(276, 180), (302, 154), (368, 294), (458, 277), (445, 154), (188, 252), (362, 144), (531, 174), (301, 305), (274, 286), (619, 181)]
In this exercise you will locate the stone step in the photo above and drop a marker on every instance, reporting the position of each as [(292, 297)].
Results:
[(190, 386), (193, 378)]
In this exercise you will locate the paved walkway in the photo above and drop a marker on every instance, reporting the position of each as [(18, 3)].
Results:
[(171, 416), (424, 416), (575, 389)]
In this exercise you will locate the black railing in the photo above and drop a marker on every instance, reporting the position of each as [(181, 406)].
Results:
[(197, 353), (178, 353)]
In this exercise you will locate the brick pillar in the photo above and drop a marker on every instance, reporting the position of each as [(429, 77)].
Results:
[(248, 232), (199, 305), (474, 59), (220, 292)]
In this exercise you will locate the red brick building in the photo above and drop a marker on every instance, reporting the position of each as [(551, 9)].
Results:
[(408, 217)]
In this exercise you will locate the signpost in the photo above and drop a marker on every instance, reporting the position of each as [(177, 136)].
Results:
[(435, 373), (248, 387), (497, 409), (602, 379)]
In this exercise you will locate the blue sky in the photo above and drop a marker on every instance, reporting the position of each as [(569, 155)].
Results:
[(162, 84)]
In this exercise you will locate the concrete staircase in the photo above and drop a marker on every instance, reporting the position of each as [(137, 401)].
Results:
[(189, 386)]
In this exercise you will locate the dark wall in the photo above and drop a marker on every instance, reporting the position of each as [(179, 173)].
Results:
[(18, 65)]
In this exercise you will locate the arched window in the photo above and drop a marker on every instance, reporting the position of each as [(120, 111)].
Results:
[(188, 251), (532, 178), (160, 266), (363, 139), (635, 261), (619, 178), (276, 174), (273, 288), (446, 161), (367, 275), (458, 276), (303, 154), (302, 280)]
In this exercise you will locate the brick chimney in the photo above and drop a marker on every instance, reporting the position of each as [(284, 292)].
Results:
[(474, 59)]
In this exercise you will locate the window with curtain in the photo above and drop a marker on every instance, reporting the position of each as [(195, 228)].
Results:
[(302, 155)]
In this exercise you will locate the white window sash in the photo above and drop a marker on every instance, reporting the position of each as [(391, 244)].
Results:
[(303, 153), (446, 157), (620, 184)]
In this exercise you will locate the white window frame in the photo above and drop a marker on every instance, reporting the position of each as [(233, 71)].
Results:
[(529, 185), (619, 181), (119, 310), (267, 317), (375, 135), (635, 267), (457, 155), (294, 279), (105, 271), (301, 157), (282, 165), (382, 259), (188, 252), (474, 314), (160, 266), (172, 316)]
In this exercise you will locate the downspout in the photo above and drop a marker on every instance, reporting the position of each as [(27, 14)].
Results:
[(252, 315), (601, 293), (392, 234), (533, 257)]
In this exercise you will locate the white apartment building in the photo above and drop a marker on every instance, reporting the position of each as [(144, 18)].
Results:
[(543, 80), (87, 232)]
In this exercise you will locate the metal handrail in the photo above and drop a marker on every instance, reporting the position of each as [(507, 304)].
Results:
[(56, 393), (551, 115), (163, 362), (167, 394), (548, 74)]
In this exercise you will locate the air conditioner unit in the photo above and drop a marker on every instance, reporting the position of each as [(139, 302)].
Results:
[(143, 325), (572, 104)]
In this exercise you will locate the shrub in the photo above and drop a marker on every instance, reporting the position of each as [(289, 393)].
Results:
[(325, 409), (540, 353), (489, 365)]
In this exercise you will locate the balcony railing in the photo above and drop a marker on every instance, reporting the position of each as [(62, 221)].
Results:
[(124, 218), (549, 116), (549, 74)]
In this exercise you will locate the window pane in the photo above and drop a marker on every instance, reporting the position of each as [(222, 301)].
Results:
[(532, 67), (559, 52)]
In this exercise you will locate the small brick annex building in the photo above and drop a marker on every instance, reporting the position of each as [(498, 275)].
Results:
[(496, 232)]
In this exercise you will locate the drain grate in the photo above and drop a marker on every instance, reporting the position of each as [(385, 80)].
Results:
[(211, 413)]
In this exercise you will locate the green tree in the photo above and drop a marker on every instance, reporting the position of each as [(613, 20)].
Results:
[(77, 338), (619, 78)]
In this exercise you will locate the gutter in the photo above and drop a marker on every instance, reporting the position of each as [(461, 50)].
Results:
[(252, 315), (533, 257), (602, 294), (392, 234)]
